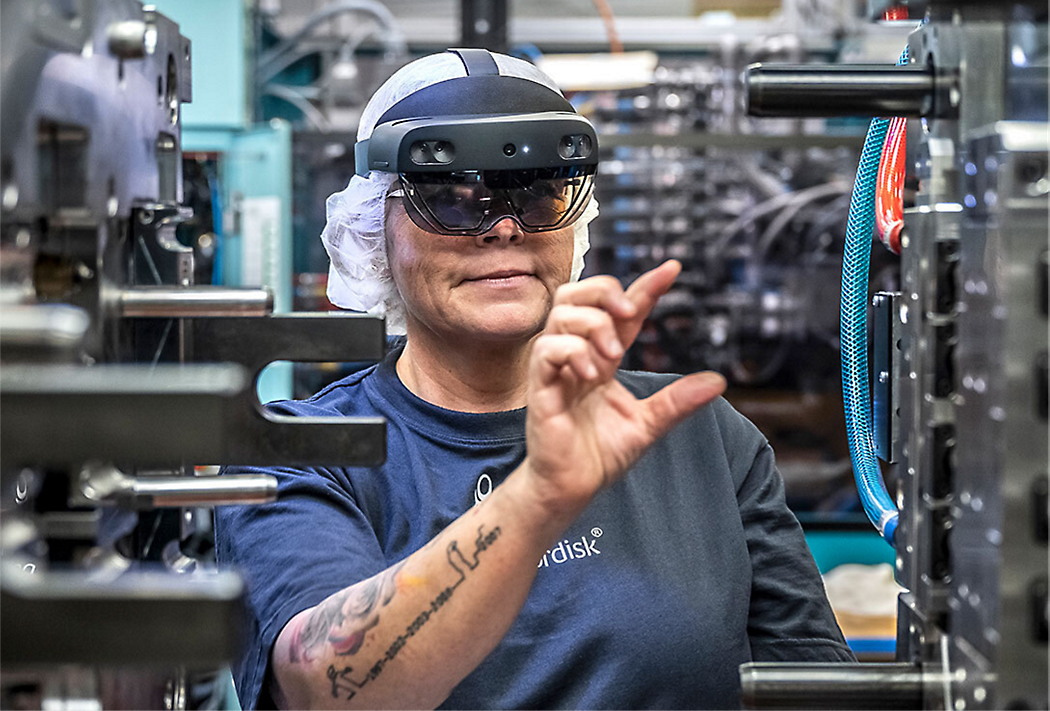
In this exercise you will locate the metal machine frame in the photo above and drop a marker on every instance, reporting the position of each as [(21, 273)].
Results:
[(970, 404), (120, 374)]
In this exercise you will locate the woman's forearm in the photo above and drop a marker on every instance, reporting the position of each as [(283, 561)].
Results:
[(405, 637)]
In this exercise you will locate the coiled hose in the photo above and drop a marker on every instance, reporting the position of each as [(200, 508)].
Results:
[(878, 505)]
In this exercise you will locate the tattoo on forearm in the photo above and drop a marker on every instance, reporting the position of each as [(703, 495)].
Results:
[(344, 618), (342, 679)]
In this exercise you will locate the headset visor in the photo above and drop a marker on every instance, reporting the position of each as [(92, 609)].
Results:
[(471, 202)]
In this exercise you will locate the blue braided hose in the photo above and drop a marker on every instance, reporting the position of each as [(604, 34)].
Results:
[(856, 396), (854, 336)]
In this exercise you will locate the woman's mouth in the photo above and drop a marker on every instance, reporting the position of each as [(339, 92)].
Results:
[(503, 277), (507, 282)]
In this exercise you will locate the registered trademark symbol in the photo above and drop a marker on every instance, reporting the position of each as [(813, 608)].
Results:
[(597, 532)]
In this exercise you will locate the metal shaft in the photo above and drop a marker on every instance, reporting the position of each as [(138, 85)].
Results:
[(193, 302), (167, 492), (33, 332), (800, 90), (109, 485), (766, 685)]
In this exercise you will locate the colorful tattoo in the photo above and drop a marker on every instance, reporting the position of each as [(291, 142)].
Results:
[(341, 679), (344, 618)]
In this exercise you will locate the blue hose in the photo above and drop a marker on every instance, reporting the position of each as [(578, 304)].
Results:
[(854, 336), (856, 396)]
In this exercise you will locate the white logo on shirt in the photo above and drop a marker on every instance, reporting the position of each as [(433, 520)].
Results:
[(567, 550), (482, 489)]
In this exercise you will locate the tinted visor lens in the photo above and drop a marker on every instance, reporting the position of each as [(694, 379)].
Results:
[(472, 202)]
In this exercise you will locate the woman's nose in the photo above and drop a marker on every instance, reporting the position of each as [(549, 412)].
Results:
[(506, 231)]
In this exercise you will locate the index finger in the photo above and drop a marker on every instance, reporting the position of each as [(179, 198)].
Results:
[(647, 289), (604, 292)]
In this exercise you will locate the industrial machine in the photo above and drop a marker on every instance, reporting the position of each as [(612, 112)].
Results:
[(124, 383), (960, 361), (127, 372)]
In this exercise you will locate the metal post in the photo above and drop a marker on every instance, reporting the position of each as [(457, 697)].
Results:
[(484, 24), (839, 90)]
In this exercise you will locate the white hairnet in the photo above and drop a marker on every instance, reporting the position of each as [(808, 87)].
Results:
[(354, 237)]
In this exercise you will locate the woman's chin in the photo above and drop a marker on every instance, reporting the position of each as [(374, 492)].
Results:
[(505, 322)]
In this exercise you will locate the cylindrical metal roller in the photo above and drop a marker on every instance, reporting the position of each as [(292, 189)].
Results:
[(801, 685), (815, 90), (108, 485), (167, 492), (193, 302), (42, 328)]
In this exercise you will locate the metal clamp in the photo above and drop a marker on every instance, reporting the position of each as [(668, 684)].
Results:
[(144, 618), (257, 435)]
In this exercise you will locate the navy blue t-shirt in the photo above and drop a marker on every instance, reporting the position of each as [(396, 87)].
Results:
[(674, 576)]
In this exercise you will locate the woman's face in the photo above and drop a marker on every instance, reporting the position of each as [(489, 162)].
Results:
[(496, 287)]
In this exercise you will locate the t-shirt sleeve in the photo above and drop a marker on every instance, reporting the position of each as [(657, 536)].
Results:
[(789, 618), (293, 553)]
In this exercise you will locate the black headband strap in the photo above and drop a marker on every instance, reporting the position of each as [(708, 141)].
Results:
[(478, 62), (483, 91), (476, 96)]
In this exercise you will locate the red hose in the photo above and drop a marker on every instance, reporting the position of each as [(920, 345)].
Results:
[(889, 189)]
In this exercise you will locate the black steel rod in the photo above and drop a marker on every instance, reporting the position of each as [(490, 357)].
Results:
[(800, 90), (769, 685)]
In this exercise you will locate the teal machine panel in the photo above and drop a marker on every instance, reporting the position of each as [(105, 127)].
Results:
[(221, 37), (255, 169), (254, 161)]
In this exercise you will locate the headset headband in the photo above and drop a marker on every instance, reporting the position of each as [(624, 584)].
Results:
[(483, 91)]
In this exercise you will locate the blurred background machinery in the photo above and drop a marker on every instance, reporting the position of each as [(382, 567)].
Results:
[(126, 374)]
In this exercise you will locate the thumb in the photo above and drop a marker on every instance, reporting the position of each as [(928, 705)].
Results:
[(673, 403)]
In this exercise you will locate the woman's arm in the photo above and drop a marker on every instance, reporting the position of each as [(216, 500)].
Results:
[(407, 636), (789, 618)]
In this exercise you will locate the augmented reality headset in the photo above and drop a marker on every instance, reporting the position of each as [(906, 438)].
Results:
[(474, 150)]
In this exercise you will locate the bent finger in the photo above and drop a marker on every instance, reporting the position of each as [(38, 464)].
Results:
[(594, 324), (604, 292), (552, 352)]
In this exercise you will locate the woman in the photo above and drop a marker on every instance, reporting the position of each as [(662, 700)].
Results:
[(501, 557)]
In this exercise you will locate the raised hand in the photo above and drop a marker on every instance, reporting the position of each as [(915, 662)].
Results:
[(584, 429)]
